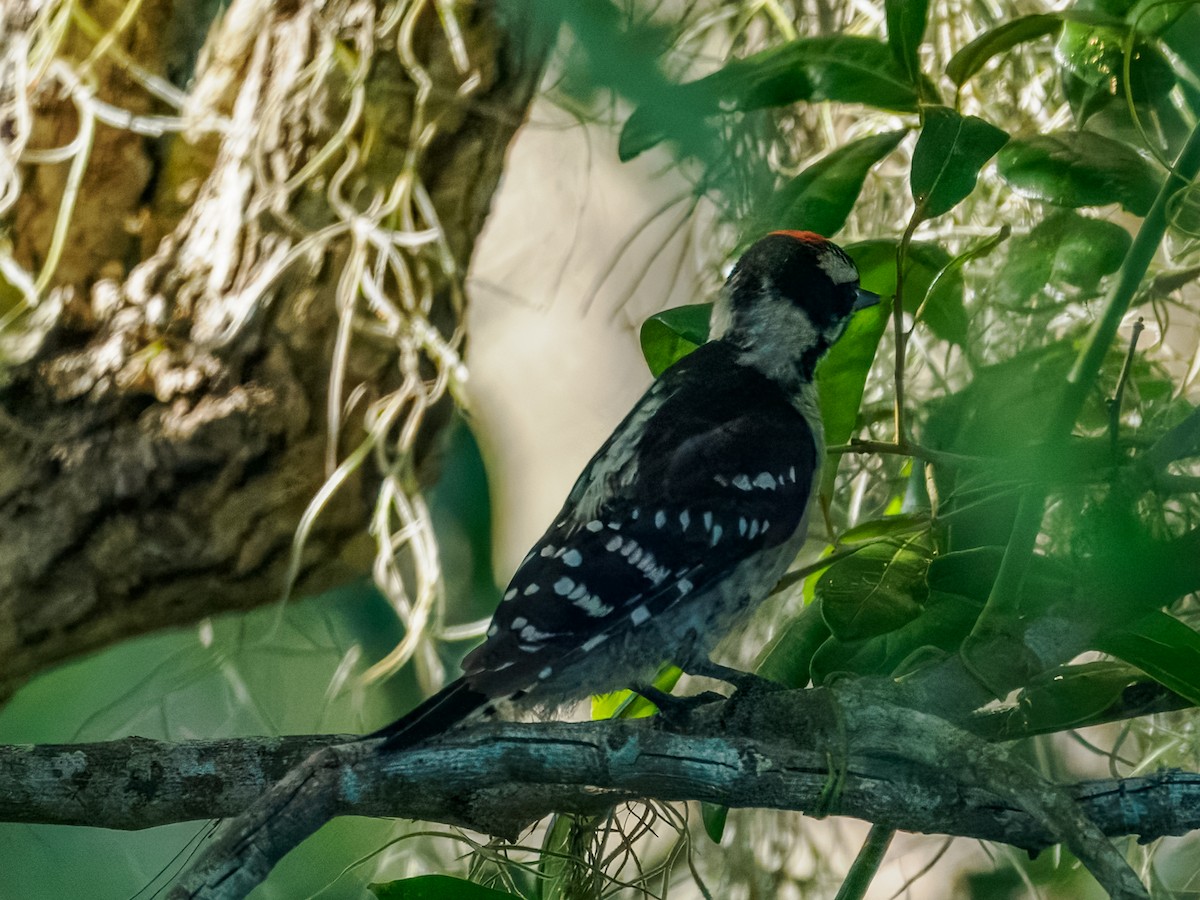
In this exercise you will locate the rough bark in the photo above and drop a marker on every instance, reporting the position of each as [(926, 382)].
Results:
[(163, 407), (793, 750)]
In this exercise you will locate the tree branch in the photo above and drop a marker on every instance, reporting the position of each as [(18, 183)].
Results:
[(779, 751)]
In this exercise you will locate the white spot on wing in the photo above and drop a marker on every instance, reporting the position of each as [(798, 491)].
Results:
[(531, 590), (593, 642), (716, 534), (742, 525), (510, 593), (684, 520), (593, 606), (491, 632), (764, 480), (563, 586), (660, 519), (545, 673), (753, 529), (684, 586), (578, 594), (741, 482), (708, 521), (639, 615), (792, 473), (572, 558), (613, 545), (519, 622), (548, 550), (594, 525)]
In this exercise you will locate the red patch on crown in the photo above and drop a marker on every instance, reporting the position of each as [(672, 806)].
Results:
[(809, 237)]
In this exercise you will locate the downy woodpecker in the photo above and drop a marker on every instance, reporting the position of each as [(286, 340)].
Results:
[(686, 518)]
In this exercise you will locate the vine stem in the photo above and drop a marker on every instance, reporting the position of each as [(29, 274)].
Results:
[(1002, 606), (918, 217), (866, 864)]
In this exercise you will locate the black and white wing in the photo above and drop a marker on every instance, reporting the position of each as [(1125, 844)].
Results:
[(710, 471)]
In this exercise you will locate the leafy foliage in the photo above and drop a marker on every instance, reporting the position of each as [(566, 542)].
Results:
[(1042, 407)]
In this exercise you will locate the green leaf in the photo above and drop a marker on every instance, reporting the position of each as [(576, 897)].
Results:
[(1074, 696), (1079, 168), (789, 658), (821, 197), (906, 31), (942, 624), (842, 68), (1065, 250), (1161, 646), (944, 314), (889, 526), (878, 589), (1095, 54), (974, 56), (436, 887), (672, 334), (842, 376), (949, 154), (714, 816)]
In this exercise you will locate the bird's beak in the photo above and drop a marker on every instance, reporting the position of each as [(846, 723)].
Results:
[(864, 299)]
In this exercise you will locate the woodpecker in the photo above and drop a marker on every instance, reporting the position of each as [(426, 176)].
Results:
[(686, 517)]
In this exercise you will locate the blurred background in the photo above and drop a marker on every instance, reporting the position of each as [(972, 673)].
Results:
[(541, 354)]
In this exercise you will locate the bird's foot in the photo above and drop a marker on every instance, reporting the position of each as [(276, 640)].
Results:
[(747, 683), (676, 712)]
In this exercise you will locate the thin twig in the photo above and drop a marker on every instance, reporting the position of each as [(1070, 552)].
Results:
[(1114, 404)]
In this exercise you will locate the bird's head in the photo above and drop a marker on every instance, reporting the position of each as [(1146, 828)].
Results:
[(787, 300)]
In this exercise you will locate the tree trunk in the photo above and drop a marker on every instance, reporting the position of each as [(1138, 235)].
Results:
[(228, 308)]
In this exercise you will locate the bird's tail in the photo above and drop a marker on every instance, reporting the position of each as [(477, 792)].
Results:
[(441, 712)]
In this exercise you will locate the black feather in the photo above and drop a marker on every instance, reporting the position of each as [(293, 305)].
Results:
[(441, 712)]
